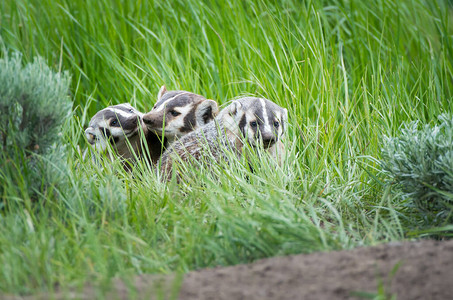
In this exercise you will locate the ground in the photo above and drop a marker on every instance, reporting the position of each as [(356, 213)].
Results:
[(422, 270)]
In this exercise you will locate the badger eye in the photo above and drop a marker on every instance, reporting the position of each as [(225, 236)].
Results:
[(114, 123), (253, 124), (174, 113), (131, 110), (276, 124)]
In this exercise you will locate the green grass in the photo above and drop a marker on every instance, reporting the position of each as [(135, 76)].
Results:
[(349, 72)]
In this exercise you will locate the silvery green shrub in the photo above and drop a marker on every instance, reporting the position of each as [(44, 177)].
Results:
[(34, 104), (420, 162)]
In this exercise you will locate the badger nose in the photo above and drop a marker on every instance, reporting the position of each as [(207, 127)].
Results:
[(148, 121), (268, 140), (90, 135)]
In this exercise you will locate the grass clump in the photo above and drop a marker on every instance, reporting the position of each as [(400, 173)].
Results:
[(420, 162)]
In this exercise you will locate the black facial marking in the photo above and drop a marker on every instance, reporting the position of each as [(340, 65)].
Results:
[(129, 123), (174, 113), (156, 145), (189, 121), (259, 116), (170, 108), (105, 132), (109, 115), (114, 140), (260, 122), (108, 135), (242, 124)]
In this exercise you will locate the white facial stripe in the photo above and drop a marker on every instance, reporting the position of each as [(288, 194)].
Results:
[(175, 124), (184, 110), (132, 111), (129, 107), (172, 127), (267, 127), (119, 132), (124, 105), (121, 113), (104, 123), (162, 106)]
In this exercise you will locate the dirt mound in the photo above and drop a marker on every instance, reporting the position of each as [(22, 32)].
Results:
[(422, 270)]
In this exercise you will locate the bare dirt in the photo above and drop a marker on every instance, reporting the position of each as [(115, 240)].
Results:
[(409, 270)]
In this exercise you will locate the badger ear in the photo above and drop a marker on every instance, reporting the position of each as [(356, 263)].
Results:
[(206, 111), (285, 115), (162, 91), (233, 108), (284, 120)]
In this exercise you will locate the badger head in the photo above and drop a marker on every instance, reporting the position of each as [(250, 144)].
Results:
[(259, 121), (114, 125), (178, 112)]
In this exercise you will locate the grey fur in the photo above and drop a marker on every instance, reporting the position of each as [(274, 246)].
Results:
[(230, 128)]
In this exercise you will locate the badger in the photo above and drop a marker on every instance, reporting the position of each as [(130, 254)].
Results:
[(121, 126), (256, 121), (177, 113)]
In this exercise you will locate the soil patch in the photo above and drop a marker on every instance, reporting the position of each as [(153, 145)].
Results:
[(409, 270)]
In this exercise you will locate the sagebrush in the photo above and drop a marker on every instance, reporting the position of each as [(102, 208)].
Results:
[(420, 162), (34, 104)]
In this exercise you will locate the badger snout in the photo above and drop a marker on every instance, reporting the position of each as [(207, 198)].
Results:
[(153, 122), (268, 140), (90, 135), (148, 121)]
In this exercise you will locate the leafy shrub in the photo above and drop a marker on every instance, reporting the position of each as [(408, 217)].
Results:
[(421, 164), (34, 104)]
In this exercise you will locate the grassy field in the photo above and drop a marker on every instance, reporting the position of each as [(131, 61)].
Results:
[(349, 73)]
